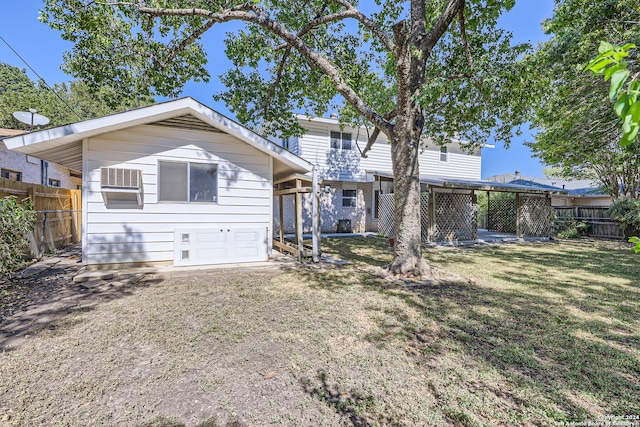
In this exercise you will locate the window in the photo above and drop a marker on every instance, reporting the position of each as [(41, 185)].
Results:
[(349, 198), (444, 154), (341, 140), (9, 174), (54, 182), (187, 182)]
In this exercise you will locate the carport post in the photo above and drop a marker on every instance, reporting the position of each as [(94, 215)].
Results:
[(519, 214), (315, 217), (298, 208)]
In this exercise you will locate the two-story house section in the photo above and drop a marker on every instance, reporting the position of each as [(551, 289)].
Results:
[(349, 183)]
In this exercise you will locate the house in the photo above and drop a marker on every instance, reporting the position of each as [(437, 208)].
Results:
[(172, 183), (20, 167), (351, 184), (576, 192)]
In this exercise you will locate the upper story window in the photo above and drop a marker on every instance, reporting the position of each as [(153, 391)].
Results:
[(187, 182), (444, 154), (341, 140), (9, 174)]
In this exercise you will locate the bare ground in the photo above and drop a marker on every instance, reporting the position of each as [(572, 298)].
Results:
[(329, 347)]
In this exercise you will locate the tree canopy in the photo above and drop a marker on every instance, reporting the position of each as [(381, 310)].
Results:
[(404, 68), (578, 128), (19, 93)]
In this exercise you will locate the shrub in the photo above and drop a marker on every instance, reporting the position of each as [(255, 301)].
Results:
[(627, 213), (568, 228), (17, 219)]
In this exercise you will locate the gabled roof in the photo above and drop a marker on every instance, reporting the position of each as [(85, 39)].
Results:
[(63, 144)]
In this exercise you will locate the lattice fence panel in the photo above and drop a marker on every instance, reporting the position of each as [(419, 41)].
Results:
[(385, 215), (502, 216), (535, 214), (455, 215), (424, 217)]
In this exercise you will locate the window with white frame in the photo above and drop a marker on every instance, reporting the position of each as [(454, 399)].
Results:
[(341, 140), (187, 182), (54, 182), (349, 198), (444, 154)]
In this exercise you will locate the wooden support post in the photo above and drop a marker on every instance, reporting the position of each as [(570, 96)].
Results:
[(432, 215), (519, 218), (298, 206), (315, 217), (281, 217), (474, 213), (488, 224)]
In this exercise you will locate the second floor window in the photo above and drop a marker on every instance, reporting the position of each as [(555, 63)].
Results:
[(341, 140), (9, 174), (444, 154)]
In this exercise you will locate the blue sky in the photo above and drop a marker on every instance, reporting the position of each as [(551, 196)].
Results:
[(43, 49)]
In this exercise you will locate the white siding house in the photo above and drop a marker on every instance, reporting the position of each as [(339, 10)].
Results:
[(351, 189), (173, 183)]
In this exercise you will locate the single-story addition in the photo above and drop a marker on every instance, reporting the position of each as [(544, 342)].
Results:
[(174, 182)]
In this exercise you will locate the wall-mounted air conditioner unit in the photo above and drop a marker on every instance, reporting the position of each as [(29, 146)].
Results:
[(121, 187)]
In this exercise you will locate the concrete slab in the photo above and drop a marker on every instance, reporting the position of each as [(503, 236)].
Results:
[(65, 256)]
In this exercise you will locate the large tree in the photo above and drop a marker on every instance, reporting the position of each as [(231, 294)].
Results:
[(70, 102), (578, 128), (406, 68)]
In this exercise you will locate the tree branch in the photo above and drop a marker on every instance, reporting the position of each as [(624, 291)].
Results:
[(255, 15), (276, 82), (428, 42), (182, 45), (463, 32), (376, 132)]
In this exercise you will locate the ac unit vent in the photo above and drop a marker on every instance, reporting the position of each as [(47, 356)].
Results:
[(120, 178)]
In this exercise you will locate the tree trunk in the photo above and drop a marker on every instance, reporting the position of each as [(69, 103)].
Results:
[(407, 225), (405, 144)]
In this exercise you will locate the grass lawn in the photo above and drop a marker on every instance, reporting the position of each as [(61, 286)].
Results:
[(531, 334)]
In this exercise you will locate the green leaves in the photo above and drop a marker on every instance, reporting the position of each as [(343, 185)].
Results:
[(637, 242), (611, 65)]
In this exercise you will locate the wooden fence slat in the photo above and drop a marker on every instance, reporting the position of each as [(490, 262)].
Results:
[(61, 207)]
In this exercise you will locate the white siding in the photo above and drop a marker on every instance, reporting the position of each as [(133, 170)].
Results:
[(350, 166), (146, 233)]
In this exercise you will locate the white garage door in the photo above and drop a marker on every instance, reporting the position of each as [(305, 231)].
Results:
[(219, 246)]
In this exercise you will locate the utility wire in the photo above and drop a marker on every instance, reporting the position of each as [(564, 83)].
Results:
[(42, 79)]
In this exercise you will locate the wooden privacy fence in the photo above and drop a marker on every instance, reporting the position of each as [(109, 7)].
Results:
[(600, 225), (58, 213)]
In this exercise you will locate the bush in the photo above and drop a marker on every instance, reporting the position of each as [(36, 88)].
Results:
[(569, 228), (627, 213), (17, 219)]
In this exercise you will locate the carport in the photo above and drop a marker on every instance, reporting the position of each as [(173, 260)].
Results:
[(449, 209)]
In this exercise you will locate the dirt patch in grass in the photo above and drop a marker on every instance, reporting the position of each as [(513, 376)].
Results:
[(542, 334)]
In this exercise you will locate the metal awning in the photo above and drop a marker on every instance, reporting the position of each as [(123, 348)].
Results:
[(477, 185)]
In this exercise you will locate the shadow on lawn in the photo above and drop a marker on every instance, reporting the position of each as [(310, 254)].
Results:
[(573, 344), (347, 403), (60, 306)]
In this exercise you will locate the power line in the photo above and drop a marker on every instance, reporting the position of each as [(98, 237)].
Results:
[(41, 78)]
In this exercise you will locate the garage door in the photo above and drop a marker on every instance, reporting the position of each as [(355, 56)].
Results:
[(219, 246)]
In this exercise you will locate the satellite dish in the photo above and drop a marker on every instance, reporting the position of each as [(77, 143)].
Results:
[(31, 118)]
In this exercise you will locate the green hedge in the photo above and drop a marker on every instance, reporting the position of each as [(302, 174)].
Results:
[(17, 220)]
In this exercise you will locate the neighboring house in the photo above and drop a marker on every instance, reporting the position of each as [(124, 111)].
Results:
[(580, 192), (350, 182), (30, 169), (174, 182)]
